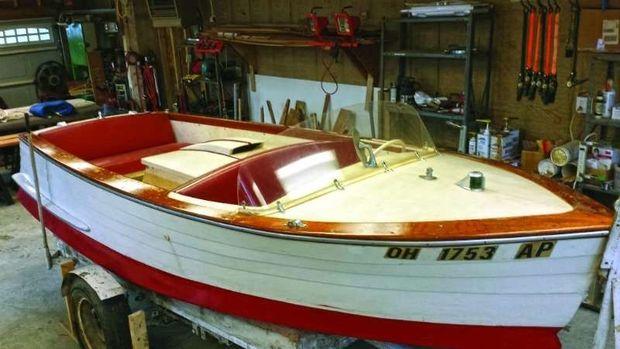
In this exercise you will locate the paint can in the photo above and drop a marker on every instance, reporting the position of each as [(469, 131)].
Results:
[(476, 181), (547, 168)]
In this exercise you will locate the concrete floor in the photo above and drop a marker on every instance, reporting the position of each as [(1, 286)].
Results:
[(32, 309)]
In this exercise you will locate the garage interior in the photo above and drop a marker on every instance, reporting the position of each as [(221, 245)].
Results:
[(203, 171)]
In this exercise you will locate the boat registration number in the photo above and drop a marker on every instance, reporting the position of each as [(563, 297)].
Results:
[(467, 253)]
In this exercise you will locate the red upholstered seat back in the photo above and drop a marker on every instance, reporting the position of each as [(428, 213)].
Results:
[(239, 181), (115, 135)]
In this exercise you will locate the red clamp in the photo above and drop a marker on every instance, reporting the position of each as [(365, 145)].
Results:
[(208, 47)]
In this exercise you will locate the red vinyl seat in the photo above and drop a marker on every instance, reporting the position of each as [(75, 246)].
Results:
[(116, 143), (238, 182), (132, 161)]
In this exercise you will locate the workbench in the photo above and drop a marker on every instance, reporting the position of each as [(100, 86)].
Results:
[(84, 110), (10, 130)]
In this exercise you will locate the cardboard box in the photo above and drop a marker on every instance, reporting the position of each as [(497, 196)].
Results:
[(530, 160), (591, 29), (504, 147)]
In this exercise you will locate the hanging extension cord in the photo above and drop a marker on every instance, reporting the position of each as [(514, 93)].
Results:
[(328, 72)]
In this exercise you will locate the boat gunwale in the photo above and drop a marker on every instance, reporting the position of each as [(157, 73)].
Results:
[(597, 218)]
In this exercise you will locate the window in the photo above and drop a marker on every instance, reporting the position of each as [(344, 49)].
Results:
[(25, 36)]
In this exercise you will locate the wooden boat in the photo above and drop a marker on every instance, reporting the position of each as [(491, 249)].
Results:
[(300, 228)]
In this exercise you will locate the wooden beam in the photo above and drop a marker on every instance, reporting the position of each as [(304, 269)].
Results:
[(138, 330), (370, 82), (65, 268), (9, 141), (325, 112), (285, 112), (252, 78)]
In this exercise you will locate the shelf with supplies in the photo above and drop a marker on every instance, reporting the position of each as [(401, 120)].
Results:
[(599, 189), (479, 10), (404, 49), (592, 120), (603, 121), (430, 54), (440, 115)]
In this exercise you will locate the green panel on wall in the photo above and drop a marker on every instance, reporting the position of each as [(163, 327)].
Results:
[(77, 48)]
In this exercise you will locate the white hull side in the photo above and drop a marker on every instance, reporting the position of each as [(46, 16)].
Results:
[(354, 279)]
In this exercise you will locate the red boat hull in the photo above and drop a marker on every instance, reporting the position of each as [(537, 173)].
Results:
[(291, 315)]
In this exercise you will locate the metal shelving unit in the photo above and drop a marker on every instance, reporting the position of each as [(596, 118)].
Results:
[(405, 53), (591, 121)]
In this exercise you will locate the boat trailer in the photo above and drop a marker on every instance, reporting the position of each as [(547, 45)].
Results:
[(228, 330)]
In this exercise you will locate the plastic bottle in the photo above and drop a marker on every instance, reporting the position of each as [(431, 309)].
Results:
[(484, 141), (610, 98), (393, 93), (473, 142), (599, 104)]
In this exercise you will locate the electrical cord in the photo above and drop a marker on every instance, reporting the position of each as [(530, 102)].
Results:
[(326, 72)]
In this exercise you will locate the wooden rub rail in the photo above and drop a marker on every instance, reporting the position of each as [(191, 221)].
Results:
[(9, 141)]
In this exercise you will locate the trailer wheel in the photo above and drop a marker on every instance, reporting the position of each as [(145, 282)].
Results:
[(99, 324)]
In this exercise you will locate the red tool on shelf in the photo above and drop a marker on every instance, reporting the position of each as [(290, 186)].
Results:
[(317, 24), (346, 25), (208, 47)]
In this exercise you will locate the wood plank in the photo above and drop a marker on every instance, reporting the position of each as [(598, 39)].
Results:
[(252, 78), (9, 141), (287, 104), (65, 268), (345, 122), (138, 330), (370, 82), (271, 114), (300, 106), (325, 112)]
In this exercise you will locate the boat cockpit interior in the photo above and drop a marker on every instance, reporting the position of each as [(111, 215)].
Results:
[(256, 167)]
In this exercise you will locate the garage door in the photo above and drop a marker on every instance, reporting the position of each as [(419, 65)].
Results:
[(24, 45)]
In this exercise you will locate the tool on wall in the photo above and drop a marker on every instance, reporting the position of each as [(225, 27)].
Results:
[(524, 73), (571, 44), (346, 29), (540, 44), (317, 25), (346, 24), (551, 56), (531, 43), (538, 67)]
